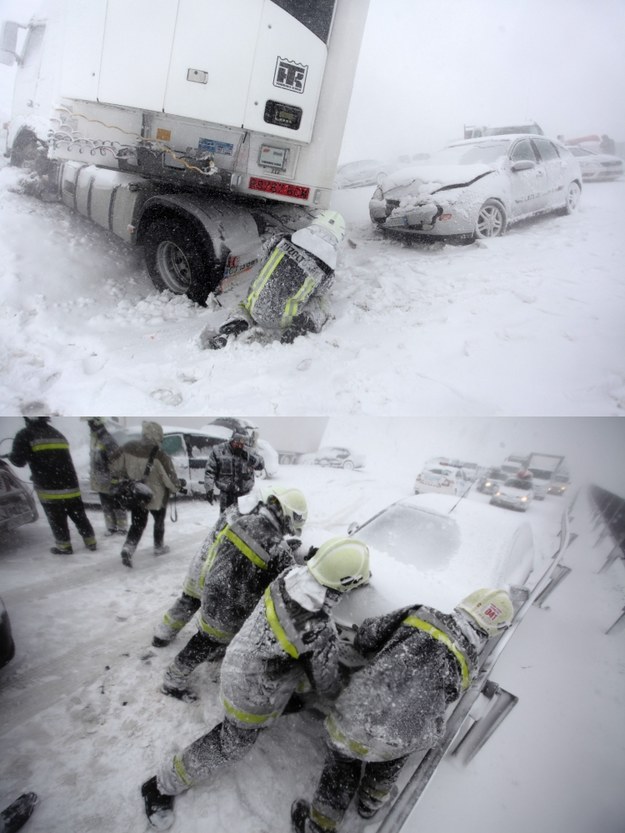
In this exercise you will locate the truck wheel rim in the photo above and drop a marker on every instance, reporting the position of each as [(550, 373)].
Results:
[(173, 267)]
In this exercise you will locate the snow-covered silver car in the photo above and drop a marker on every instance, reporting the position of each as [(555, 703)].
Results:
[(335, 456), (515, 493), (597, 166), (433, 549), (476, 188), (17, 504)]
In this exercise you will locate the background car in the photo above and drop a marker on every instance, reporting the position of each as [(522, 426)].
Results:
[(336, 456), (490, 482), (515, 493), (443, 480), (434, 550), (360, 173), (595, 165), (476, 188), (7, 645), (17, 504)]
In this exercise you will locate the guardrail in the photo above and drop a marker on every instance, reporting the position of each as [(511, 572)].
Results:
[(464, 736)]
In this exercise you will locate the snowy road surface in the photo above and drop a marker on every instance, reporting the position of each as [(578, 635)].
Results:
[(83, 722), (528, 324)]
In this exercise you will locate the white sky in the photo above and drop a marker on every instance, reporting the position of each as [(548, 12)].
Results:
[(426, 69)]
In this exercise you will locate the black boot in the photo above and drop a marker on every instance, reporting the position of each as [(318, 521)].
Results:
[(300, 813), (18, 813), (159, 808)]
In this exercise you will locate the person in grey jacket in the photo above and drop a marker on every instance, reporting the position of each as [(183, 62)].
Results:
[(245, 553), (419, 661), (130, 461), (102, 448), (288, 638), (230, 468)]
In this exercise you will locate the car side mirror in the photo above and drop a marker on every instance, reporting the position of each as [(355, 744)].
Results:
[(523, 165)]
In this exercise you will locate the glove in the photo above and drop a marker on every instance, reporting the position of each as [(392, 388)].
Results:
[(310, 553), (210, 496), (183, 490)]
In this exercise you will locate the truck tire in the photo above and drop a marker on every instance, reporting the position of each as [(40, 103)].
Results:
[(179, 258)]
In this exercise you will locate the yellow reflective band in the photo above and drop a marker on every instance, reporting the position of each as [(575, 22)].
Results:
[(243, 548), (247, 717), (175, 624), (181, 772), (49, 446), (210, 558), (211, 631), (335, 733), (263, 276), (58, 495), (276, 627), (322, 821), (291, 308), (434, 632)]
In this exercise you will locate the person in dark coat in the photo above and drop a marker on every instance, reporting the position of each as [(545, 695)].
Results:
[(289, 638), (245, 553), (419, 661), (230, 468), (102, 448), (46, 451), (131, 461)]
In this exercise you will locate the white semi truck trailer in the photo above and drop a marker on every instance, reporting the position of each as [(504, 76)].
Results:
[(193, 128)]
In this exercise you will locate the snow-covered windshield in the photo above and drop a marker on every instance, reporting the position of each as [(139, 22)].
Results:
[(415, 537), (471, 154), (518, 483)]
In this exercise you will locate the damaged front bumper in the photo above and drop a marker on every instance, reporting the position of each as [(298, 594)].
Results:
[(417, 217)]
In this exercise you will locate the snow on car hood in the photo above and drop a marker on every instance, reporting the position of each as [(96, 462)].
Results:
[(427, 179)]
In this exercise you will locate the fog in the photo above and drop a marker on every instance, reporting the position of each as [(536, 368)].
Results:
[(427, 69), (594, 447)]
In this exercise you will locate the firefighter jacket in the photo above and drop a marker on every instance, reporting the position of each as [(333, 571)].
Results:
[(289, 637), (191, 585), (247, 553), (132, 458), (420, 661), (290, 281), (47, 453), (231, 470), (102, 448)]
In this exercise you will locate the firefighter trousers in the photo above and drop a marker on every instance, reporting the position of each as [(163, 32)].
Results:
[(58, 512), (224, 744)]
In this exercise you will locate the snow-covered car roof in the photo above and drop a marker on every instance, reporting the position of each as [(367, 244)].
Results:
[(436, 549)]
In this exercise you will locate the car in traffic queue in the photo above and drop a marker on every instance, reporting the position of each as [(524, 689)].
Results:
[(597, 166), (335, 456), (515, 493), (477, 188), (491, 481), (443, 480)]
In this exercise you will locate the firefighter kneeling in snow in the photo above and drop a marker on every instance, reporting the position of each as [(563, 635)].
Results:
[(289, 636), (420, 660), (287, 296)]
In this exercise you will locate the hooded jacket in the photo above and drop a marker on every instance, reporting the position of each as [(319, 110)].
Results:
[(231, 471), (289, 636), (102, 449), (420, 661), (247, 552), (132, 458)]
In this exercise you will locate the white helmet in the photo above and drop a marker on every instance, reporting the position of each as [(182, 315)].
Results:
[(292, 503), (341, 564), (490, 610), (323, 237)]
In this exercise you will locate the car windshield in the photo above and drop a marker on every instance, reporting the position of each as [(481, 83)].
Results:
[(496, 474), (423, 539), (518, 483), (470, 154)]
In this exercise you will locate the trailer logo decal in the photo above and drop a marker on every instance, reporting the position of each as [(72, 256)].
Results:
[(289, 75)]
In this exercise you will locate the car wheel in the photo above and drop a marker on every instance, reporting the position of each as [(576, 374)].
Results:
[(24, 150), (491, 220), (348, 464), (179, 258), (573, 194)]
